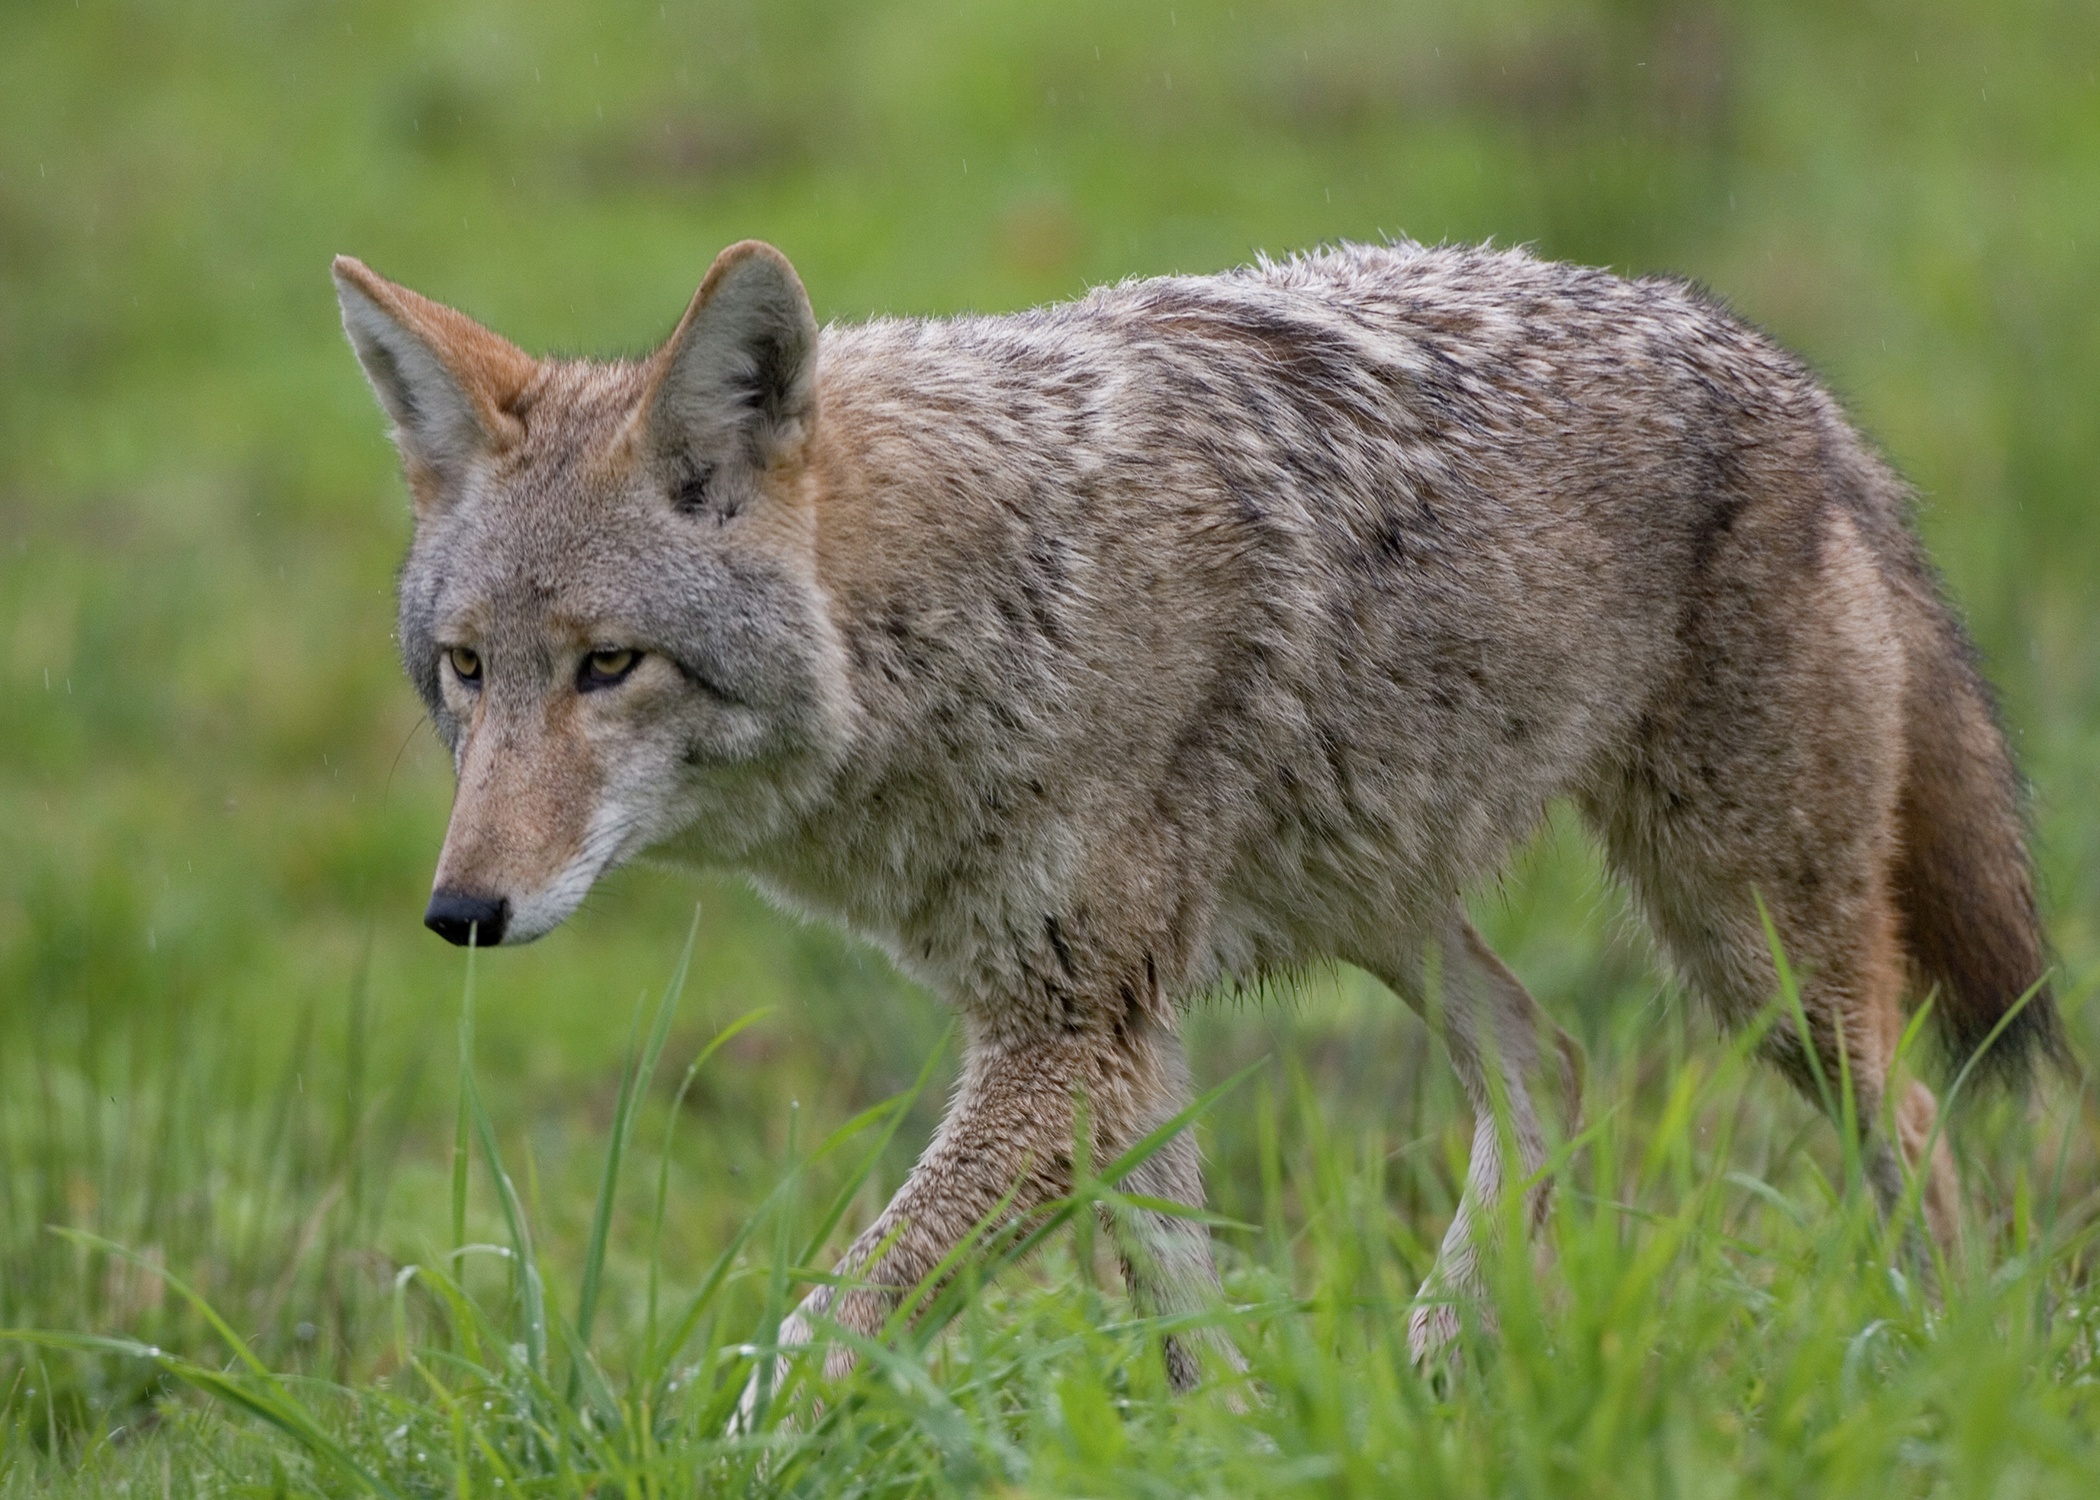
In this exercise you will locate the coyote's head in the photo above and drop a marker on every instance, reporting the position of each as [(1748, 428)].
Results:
[(610, 605)]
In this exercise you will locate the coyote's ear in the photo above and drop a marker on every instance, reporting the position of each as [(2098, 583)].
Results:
[(451, 386), (740, 370)]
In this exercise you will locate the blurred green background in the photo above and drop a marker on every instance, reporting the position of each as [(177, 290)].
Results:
[(225, 1036)]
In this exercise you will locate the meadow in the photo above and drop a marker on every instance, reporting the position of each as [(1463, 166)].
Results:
[(276, 1219)]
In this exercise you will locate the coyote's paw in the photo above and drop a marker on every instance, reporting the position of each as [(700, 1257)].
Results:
[(793, 1337), (863, 1310), (1432, 1327)]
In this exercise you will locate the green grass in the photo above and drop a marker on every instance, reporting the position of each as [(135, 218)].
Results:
[(227, 1047), (1720, 1311)]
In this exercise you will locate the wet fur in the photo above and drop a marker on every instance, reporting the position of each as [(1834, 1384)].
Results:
[(1208, 627)]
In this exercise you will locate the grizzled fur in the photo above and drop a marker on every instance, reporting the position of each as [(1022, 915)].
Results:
[(1199, 630)]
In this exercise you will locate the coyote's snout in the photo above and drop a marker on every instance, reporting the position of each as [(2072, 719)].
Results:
[(1199, 630)]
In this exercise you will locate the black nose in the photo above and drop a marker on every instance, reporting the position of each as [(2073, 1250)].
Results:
[(454, 916)]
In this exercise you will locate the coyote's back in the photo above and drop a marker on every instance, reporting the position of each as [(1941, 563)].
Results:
[(1204, 628)]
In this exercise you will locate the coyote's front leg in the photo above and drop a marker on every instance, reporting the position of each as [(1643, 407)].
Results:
[(1009, 1136)]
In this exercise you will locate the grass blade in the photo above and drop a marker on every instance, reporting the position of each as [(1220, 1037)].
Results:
[(634, 1086), (663, 1174)]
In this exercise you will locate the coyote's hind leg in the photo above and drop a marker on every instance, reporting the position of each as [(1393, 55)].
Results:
[(1762, 801), (1492, 1028), (1849, 978)]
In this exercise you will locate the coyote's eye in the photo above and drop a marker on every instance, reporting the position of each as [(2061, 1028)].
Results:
[(606, 667), (466, 664)]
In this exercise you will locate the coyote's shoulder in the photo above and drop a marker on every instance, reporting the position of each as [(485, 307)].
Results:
[(1202, 628)]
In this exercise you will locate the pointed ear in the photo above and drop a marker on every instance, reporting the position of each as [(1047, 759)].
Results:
[(451, 386), (738, 377)]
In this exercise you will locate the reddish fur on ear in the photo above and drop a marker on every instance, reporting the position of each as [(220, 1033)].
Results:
[(742, 356), (492, 372)]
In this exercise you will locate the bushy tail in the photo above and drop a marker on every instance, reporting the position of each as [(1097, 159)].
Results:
[(1963, 879)]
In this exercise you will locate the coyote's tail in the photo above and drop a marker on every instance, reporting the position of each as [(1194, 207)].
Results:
[(1963, 878)]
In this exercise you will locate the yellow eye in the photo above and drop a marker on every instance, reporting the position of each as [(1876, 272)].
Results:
[(465, 662), (605, 667)]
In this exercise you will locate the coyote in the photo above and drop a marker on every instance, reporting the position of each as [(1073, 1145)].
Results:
[(1203, 629)]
